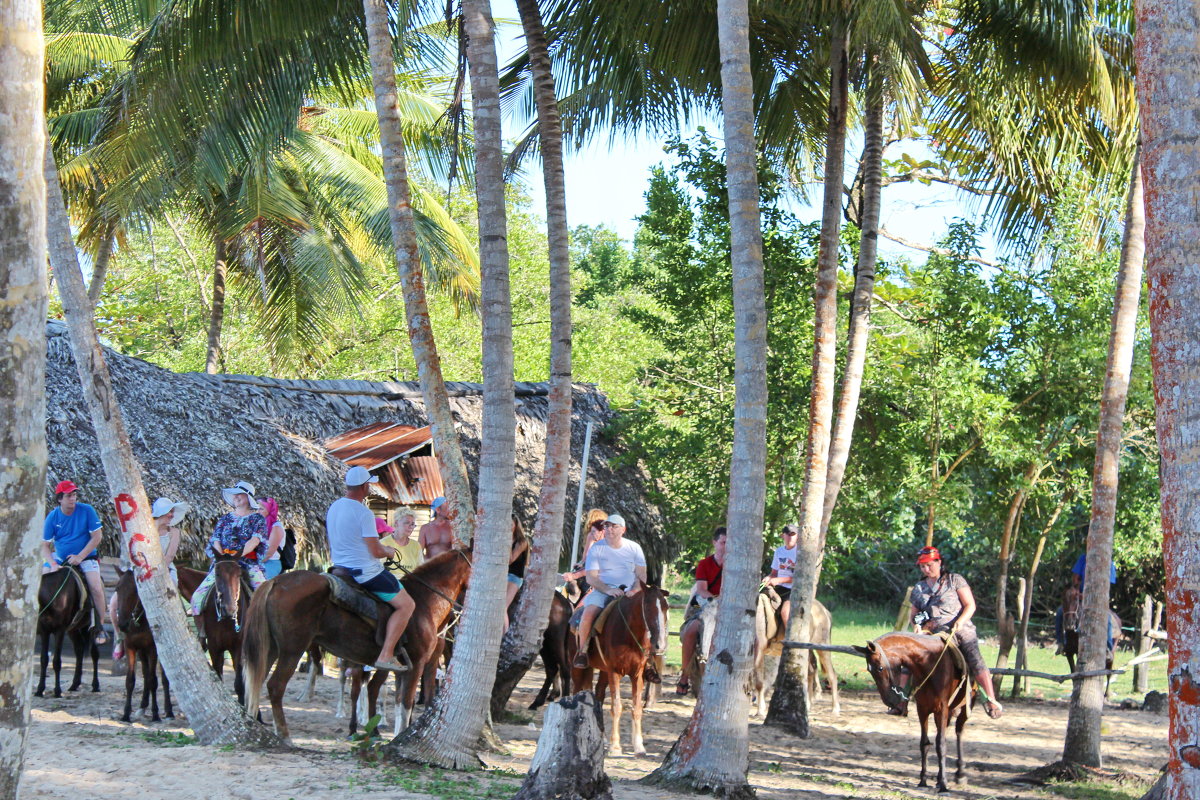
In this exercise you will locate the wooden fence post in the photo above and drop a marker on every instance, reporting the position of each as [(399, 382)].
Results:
[(1141, 672), (902, 615)]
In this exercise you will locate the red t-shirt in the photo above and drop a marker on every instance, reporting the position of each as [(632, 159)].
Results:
[(710, 571)]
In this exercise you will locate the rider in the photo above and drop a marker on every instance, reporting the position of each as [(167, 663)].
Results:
[(242, 533), (943, 602), (707, 589), (354, 545), (1077, 573), (611, 564), (518, 555), (783, 564), (276, 536), (436, 536), (167, 515), (70, 536)]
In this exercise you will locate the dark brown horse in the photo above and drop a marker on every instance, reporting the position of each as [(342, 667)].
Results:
[(634, 632), (554, 652), (65, 610), (139, 641), (295, 610), (910, 666), (1071, 606), (224, 616)]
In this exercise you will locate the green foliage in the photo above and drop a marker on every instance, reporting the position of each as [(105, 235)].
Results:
[(169, 739)]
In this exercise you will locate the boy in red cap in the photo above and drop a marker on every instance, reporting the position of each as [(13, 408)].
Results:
[(70, 536)]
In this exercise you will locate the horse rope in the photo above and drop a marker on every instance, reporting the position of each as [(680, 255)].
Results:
[(57, 592)]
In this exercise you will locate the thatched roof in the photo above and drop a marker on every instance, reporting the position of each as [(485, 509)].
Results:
[(195, 433)]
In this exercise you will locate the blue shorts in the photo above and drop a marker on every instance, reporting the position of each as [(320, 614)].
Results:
[(384, 586), (272, 568), (517, 579)]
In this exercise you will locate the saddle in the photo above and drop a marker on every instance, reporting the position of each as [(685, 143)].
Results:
[(85, 605), (346, 594), (951, 643)]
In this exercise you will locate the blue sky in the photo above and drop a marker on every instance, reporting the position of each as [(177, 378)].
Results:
[(607, 180)]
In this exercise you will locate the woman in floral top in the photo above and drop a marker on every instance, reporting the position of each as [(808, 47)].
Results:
[(242, 531)]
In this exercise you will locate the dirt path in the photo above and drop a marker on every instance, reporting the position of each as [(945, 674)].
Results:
[(78, 749)]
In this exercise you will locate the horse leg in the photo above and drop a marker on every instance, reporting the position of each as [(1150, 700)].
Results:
[(356, 678), (78, 641), (923, 717), (239, 681), (168, 712), (941, 717), (44, 653), (378, 678), (146, 690), (310, 688), (58, 646), (343, 670), (814, 678), (285, 666), (614, 685), (959, 724), (827, 665), (130, 681), (636, 682), (411, 684), (94, 649), (152, 682)]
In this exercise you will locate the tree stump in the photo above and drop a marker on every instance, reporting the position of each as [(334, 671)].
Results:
[(569, 762)]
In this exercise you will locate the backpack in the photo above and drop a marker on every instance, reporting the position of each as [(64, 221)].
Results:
[(287, 553)]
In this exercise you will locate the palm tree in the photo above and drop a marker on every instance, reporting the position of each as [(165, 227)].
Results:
[(715, 757), (448, 733), (211, 711), (23, 365), (1082, 744), (1165, 49), (523, 639)]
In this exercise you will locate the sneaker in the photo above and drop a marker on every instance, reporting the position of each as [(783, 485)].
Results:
[(391, 664)]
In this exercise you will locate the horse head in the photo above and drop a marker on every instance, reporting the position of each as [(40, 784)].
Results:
[(1072, 600), (655, 606), (228, 573), (886, 669), (129, 605)]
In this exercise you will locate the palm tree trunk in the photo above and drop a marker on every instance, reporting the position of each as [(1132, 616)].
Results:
[(1082, 744), (211, 710), (216, 317), (448, 734), (860, 304), (100, 268), (524, 638), (22, 370), (408, 265), (789, 704), (713, 752)]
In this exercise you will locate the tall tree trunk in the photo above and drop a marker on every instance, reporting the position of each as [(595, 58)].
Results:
[(524, 638), (789, 704), (100, 267), (22, 370), (1022, 683), (212, 711), (408, 265), (1082, 744), (448, 734), (860, 304), (216, 316), (712, 755)]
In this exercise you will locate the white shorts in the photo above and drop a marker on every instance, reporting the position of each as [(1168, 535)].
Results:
[(89, 565), (597, 599)]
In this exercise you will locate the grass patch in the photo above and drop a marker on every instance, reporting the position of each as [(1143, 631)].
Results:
[(1098, 790), (480, 785), (169, 739)]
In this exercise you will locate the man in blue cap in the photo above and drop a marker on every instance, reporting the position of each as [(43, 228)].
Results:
[(436, 536)]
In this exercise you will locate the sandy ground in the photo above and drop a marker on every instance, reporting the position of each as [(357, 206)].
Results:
[(77, 748)]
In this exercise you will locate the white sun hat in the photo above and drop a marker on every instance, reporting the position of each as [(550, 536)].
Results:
[(241, 487), (163, 506)]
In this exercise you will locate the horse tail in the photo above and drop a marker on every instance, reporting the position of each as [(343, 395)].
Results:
[(256, 646)]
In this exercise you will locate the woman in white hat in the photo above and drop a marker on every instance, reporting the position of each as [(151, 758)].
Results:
[(167, 517), (242, 531)]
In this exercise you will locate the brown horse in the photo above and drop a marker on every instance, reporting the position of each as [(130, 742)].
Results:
[(554, 652), (223, 617), (131, 621), (635, 632), (65, 610), (769, 634), (910, 666), (295, 610), (1071, 606)]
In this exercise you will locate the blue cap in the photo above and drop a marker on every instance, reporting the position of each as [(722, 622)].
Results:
[(437, 503)]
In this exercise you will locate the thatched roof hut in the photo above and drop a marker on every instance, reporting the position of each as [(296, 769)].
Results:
[(195, 433)]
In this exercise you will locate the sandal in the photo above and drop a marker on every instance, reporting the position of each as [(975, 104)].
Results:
[(682, 688), (993, 708)]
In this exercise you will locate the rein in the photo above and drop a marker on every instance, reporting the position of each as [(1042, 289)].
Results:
[(57, 592), (454, 604), (899, 691)]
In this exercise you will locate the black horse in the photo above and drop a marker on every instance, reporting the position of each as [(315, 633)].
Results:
[(65, 609)]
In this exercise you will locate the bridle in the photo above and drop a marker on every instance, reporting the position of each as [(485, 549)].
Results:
[(894, 687)]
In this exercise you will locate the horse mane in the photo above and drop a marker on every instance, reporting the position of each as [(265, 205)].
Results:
[(436, 571)]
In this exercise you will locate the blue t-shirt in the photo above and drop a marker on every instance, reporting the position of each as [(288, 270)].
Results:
[(71, 534), (1080, 569)]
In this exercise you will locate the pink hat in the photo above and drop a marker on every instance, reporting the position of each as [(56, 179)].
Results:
[(381, 527)]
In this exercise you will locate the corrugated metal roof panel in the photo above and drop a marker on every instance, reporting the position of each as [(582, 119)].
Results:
[(387, 450)]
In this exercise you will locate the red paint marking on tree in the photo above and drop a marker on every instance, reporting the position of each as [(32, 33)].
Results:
[(142, 568), (123, 517)]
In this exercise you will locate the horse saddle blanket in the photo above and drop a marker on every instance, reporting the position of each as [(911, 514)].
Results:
[(85, 603), (769, 608), (352, 599)]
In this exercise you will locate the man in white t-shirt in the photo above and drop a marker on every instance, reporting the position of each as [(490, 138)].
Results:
[(782, 567), (612, 563), (354, 545)]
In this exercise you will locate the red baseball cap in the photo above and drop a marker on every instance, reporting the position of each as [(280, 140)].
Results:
[(65, 487), (927, 554)]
